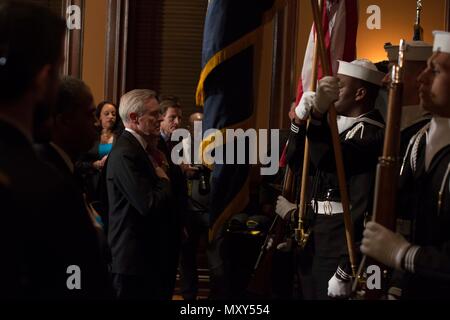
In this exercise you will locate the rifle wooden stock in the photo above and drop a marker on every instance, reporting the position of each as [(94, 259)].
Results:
[(386, 183), (261, 278)]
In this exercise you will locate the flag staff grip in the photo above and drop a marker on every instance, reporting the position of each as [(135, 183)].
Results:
[(335, 139), (301, 234)]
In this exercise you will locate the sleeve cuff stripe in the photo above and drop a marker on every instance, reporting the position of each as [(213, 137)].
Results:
[(397, 292), (342, 274), (294, 128), (410, 257)]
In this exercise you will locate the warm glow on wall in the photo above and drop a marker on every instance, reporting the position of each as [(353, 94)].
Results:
[(397, 21)]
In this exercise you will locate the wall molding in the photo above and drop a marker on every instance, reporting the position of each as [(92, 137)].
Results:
[(447, 15), (116, 49), (73, 46)]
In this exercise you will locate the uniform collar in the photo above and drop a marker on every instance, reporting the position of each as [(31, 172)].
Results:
[(412, 115), (345, 123), (437, 138)]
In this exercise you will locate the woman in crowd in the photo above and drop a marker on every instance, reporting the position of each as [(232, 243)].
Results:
[(92, 163)]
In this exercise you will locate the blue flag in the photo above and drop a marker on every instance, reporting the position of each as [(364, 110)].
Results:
[(226, 90)]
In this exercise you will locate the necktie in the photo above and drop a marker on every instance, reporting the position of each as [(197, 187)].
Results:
[(158, 158)]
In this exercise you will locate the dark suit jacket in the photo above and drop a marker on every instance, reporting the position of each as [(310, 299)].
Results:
[(177, 178), (43, 230), (84, 168), (49, 155), (92, 178), (142, 220)]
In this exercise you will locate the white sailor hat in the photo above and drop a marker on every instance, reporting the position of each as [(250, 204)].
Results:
[(361, 69), (441, 41), (414, 51)]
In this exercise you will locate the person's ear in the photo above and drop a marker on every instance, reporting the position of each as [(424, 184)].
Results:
[(133, 117), (42, 82), (360, 94)]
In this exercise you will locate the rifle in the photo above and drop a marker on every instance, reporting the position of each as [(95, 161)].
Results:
[(260, 282), (418, 30), (386, 182), (261, 276)]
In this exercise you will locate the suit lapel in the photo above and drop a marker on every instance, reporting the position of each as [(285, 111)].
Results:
[(139, 150)]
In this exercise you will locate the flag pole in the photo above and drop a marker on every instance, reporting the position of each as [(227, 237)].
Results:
[(336, 141), (302, 235)]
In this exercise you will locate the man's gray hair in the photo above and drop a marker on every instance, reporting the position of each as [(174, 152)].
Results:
[(134, 101)]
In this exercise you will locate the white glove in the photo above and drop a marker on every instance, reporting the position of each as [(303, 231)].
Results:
[(384, 245), (338, 288), (306, 104), (284, 207), (394, 293), (284, 246), (269, 244), (327, 93)]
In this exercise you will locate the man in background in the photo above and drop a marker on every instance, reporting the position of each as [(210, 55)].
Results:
[(43, 232)]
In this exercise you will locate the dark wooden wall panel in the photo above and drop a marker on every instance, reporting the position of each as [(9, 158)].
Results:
[(74, 38), (181, 47), (447, 15), (155, 44), (144, 44), (164, 45), (55, 5)]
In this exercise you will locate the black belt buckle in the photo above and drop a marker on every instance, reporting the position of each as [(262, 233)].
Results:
[(332, 195)]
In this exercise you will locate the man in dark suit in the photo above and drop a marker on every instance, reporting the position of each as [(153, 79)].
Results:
[(141, 215), (72, 126), (171, 113), (72, 131), (42, 234), (172, 116)]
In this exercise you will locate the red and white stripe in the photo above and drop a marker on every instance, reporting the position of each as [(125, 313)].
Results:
[(340, 25)]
